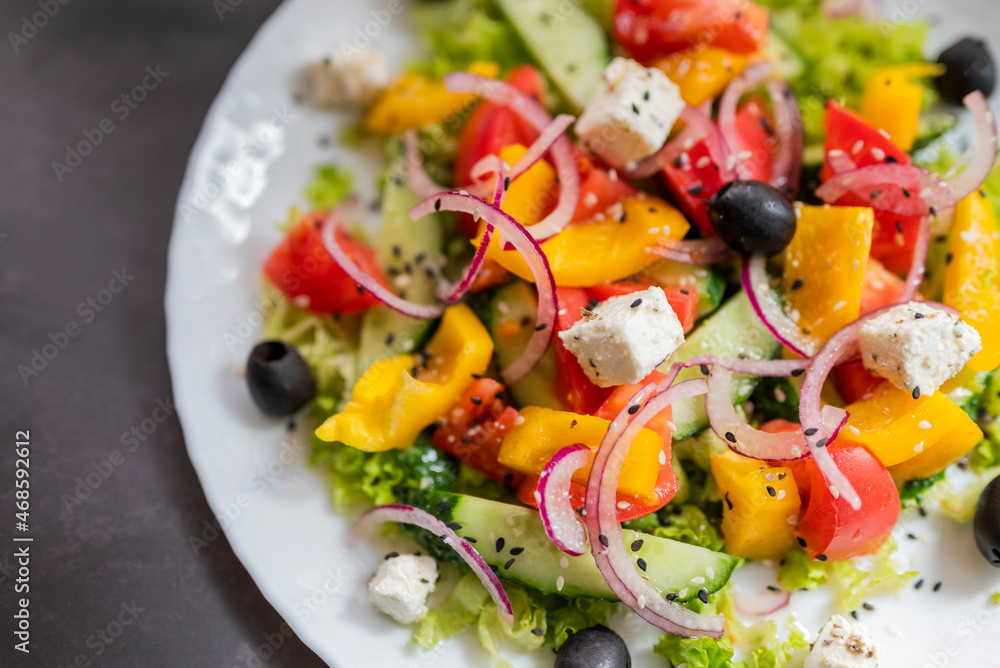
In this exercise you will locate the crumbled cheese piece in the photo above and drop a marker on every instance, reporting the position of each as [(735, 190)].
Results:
[(917, 347), (347, 79), (624, 338), (842, 644), (630, 116), (400, 587)]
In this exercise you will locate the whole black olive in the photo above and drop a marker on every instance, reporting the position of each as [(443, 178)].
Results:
[(596, 647), (279, 380), (970, 67), (986, 524), (752, 217)]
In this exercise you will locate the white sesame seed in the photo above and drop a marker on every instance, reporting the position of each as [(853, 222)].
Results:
[(730, 162), (884, 134), (538, 496), (893, 631), (744, 155), (919, 447), (519, 420), (856, 264), (654, 230), (770, 477), (796, 451), (710, 572), (835, 491), (781, 494), (854, 430), (924, 424), (682, 593), (613, 174), (642, 601), (590, 199), (779, 394), (564, 562), (663, 458), (792, 519), (560, 581), (503, 308), (835, 153), (698, 580), (839, 305), (703, 162), (561, 311), (858, 146), (878, 154), (621, 504)]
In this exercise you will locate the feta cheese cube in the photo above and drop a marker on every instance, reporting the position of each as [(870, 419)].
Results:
[(624, 338), (842, 644), (400, 586), (630, 115), (917, 347), (347, 79)]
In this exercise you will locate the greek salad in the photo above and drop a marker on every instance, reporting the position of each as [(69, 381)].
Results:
[(659, 288)]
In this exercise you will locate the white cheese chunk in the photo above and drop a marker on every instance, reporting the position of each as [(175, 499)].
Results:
[(630, 115), (842, 644), (916, 346), (624, 338), (351, 79), (400, 586)]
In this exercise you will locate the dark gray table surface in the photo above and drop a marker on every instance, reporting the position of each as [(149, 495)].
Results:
[(113, 580)]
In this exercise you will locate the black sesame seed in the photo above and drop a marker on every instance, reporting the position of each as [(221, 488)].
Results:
[(906, 193), (918, 316), (444, 506), (918, 584), (696, 189), (637, 545), (506, 183), (703, 595), (773, 588), (478, 401), (471, 539), (500, 544), (635, 304), (854, 613), (821, 557), (891, 159), (876, 193), (604, 540), (731, 437), (390, 339), (573, 424), (641, 563), (821, 443), (948, 258), (633, 409), (506, 566), (801, 541), (478, 376), (684, 291), (771, 491), (621, 219), (397, 251), (916, 392), (797, 285), (516, 550), (537, 632), (420, 257), (920, 509), (899, 226), (467, 440), (425, 581), (635, 109), (645, 96), (810, 431), (671, 596), (937, 587), (798, 372), (391, 555), (704, 369), (591, 303), (541, 326), (493, 567), (868, 606), (437, 205), (911, 536), (454, 526)]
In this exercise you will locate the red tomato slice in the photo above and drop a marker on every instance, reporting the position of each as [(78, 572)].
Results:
[(797, 466), (854, 382), (475, 427), (651, 29), (572, 385), (828, 527), (755, 135), (694, 182), (683, 301), (881, 287), (599, 190), (303, 270)]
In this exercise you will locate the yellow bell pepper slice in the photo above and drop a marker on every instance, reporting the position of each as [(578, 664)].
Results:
[(897, 429), (601, 251), (531, 443), (413, 101), (972, 279), (396, 398), (528, 197), (703, 73), (892, 100), (760, 506), (825, 267)]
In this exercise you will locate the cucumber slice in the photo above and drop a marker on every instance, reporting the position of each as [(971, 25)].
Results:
[(408, 247), (709, 284), (732, 331), (568, 43), (511, 322), (497, 529)]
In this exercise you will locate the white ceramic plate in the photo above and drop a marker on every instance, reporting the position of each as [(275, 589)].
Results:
[(255, 152)]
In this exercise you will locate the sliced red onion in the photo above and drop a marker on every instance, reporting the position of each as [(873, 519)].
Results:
[(404, 514), (750, 78), (368, 282), (605, 532), (563, 156), (749, 442), (562, 525), (546, 140), (451, 293), (416, 177), (918, 265), (698, 126), (695, 251), (759, 368), (522, 241), (908, 190), (789, 135), (840, 162), (757, 285), (761, 605)]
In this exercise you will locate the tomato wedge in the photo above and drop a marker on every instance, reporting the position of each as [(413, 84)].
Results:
[(683, 301), (572, 385), (303, 270), (599, 188), (755, 135)]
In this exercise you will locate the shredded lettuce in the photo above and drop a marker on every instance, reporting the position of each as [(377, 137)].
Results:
[(329, 187), (958, 501), (686, 523), (695, 652), (851, 583), (913, 491)]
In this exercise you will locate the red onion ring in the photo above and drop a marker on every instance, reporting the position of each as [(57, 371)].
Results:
[(757, 286), (698, 126), (605, 532), (366, 281), (562, 525), (760, 368), (533, 255), (761, 605), (533, 113), (749, 442), (416, 177), (695, 251), (789, 135), (750, 78), (840, 347), (404, 514), (908, 190)]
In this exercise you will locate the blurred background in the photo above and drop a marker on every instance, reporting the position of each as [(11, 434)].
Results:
[(83, 238)]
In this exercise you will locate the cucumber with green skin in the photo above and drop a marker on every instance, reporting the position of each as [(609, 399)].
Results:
[(706, 281), (512, 539), (405, 248), (512, 313), (568, 43), (732, 331)]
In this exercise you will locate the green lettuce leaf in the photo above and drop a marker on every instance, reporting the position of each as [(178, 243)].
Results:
[(695, 652), (329, 187), (913, 491), (686, 523)]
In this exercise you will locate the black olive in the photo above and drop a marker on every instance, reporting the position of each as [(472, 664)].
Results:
[(752, 217), (970, 67), (986, 524), (596, 647), (279, 380)]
